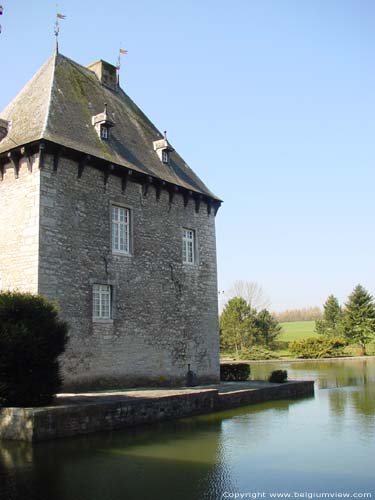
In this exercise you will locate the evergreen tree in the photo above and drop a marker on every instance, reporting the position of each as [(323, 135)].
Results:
[(359, 317), (331, 324), (237, 325), (267, 328)]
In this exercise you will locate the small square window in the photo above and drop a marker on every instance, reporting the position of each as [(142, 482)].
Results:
[(120, 229), (102, 302), (188, 246)]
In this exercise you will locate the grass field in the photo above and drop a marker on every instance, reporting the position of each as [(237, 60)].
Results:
[(296, 330)]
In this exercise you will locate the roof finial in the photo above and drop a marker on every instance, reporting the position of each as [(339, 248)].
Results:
[(57, 27), (118, 65), (165, 134), (1, 13)]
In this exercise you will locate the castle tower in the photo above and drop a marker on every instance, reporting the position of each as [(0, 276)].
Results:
[(101, 214)]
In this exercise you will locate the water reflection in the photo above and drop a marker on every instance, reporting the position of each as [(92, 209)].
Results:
[(189, 458), (327, 374), (179, 459), (324, 443)]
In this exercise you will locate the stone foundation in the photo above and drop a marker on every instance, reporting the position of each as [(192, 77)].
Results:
[(86, 413)]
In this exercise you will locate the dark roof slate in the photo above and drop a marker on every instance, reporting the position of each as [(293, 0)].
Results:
[(58, 104)]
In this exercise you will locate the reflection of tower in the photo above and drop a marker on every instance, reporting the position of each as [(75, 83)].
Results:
[(193, 458), (132, 464), (13, 458)]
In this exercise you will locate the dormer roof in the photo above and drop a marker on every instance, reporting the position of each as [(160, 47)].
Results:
[(58, 104)]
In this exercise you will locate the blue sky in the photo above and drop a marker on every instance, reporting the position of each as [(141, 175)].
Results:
[(271, 102)]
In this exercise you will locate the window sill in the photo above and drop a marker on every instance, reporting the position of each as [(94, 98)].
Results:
[(121, 254), (102, 321)]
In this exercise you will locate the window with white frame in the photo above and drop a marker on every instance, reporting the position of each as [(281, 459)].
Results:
[(165, 156), (104, 132), (102, 302), (120, 229), (188, 246)]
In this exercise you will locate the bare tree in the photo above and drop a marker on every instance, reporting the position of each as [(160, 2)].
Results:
[(252, 292)]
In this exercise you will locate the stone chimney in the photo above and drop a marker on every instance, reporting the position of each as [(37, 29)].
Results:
[(106, 73)]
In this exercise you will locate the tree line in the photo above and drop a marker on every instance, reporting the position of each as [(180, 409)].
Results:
[(305, 314), (244, 328)]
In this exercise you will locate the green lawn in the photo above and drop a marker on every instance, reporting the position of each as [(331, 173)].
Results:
[(296, 330)]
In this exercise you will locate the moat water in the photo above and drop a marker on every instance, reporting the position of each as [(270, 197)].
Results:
[(324, 444)]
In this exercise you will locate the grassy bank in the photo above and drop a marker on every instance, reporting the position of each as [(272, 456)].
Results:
[(298, 330)]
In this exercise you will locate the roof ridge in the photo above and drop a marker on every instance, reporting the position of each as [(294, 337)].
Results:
[(46, 118)]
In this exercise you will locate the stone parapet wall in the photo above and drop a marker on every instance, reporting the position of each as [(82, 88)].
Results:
[(244, 397), (121, 411)]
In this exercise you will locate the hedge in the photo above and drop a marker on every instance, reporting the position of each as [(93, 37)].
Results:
[(278, 376), (318, 347), (230, 372), (31, 338)]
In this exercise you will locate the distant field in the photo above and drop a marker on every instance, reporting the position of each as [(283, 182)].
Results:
[(295, 330)]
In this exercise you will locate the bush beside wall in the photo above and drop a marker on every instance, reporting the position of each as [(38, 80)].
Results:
[(31, 338), (234, 372), (278, 376)]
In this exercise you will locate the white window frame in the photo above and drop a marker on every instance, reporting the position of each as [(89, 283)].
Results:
[(101, 302), (165, 156), (189, 254), (120, 230), (104, 132)]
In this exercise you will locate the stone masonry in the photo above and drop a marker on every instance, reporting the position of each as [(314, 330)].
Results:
[(56, 240), (19, 232), (64, 163), (164, 312)]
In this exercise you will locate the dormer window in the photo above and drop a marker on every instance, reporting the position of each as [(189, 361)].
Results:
[(165, 156), (104, 132), (163, 148), (102, 124), (4, 128)]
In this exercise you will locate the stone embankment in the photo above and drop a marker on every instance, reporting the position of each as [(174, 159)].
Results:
[(75, 414)]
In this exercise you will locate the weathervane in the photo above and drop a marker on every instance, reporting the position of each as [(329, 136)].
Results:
[(118, 66), (57, 27), (1, 13)]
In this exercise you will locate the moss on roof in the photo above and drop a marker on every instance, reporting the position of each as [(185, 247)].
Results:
[(58, 105)]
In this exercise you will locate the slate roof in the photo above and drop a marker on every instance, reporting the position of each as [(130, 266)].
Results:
[(58, 104)]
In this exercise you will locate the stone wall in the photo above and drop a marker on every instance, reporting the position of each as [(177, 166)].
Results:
[(19, 229), (164, 312), (116, 412), (288, 390), (39, 424)]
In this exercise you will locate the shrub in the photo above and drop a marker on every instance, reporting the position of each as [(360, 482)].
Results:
[(230, 372), (31, 339), (278, 376), (257, 353), (318, 347)]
